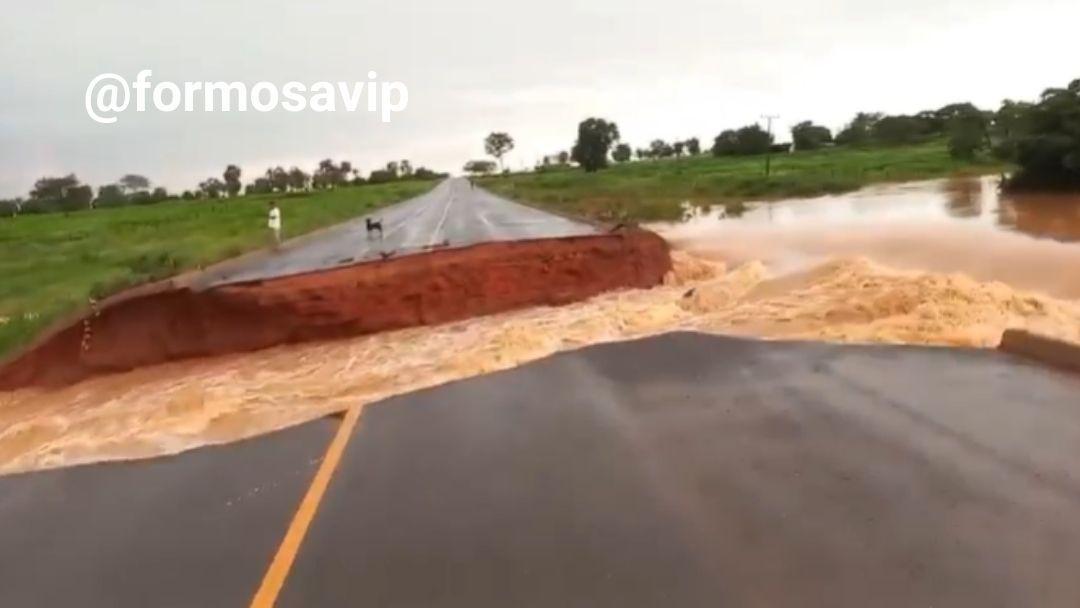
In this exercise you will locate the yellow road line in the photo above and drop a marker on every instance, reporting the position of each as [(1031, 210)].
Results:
[(274, 578)]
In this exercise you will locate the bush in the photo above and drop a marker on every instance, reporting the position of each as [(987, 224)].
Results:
[(808, 136), (751, 139), (1049, 151)]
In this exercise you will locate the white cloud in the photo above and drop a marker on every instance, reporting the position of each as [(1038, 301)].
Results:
[(674, 69)]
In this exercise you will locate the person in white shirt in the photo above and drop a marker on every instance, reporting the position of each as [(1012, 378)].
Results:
[(274, 223)]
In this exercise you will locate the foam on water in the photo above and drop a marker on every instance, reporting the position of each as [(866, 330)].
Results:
[(904, 281)]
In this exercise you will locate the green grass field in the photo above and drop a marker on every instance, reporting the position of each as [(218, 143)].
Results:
[(655, 190), (52, 263)]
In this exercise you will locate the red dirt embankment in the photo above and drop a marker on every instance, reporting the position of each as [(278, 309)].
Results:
[(170, 322)]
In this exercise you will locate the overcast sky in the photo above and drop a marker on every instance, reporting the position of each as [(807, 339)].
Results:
[(671, 69)]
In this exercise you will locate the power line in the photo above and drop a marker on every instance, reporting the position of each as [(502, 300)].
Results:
[(768, 155)]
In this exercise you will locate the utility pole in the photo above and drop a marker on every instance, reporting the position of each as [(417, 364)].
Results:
[(768, 155)]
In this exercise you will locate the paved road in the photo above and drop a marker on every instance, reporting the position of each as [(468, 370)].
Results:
[(452, 214), (690, 470), (682, 470), (193, 530)]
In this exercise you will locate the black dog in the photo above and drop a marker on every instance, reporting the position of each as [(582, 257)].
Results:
[(374, 225)]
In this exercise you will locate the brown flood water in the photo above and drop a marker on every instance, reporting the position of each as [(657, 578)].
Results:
[(961, 225), (946, 263)]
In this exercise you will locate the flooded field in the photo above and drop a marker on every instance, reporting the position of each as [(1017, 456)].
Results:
[(961, 201), (945, 263), (962, 225)]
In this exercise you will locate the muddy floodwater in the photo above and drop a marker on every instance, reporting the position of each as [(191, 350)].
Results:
[(960, 202), (1030, 241), (940, 263)]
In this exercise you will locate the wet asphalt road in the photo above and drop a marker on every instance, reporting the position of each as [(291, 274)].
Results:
[(693, 470), (681, 470), (452, 214), (191, 530)]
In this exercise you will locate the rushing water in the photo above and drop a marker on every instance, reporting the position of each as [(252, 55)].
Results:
[(948, 263)]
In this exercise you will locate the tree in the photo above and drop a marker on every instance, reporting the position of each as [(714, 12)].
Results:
[(406, 168), (968, 129), (808, 136), (148, 198), (693, 146), (621, 153), (659, 148), (754, 140), (322, 177), (261, 185), (329, 174), (1012, 120), (937, 122), (726, 143), (678, 148), (479, 167), (60, 193), (965, 139), (212, 187), (898, 130), (497, 145), (110, 195), (80, 197), (425, 173), (381, 176), (1009, 125), (393, 168), (940, 120), (53, 187), (553, 161), (232, 180), (858, 131), (1048, 152), (751, 139), (132, 183), (298, 180), (279, 178), (595, 138), (11, 206)]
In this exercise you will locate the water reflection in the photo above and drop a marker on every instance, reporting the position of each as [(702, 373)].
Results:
[(964, 197), (963, 226), (968, 200)]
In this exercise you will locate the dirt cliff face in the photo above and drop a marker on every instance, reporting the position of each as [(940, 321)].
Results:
[(167, 322)]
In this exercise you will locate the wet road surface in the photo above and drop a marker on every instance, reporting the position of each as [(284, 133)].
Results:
[(681, 470), (452, 214), (690, 470), (191, 530)]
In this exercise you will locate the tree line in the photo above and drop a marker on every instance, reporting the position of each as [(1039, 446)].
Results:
[(67, 193), (1042, 138)]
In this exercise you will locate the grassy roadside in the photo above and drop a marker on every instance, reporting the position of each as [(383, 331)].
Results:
[(51, 263), (655, 190)]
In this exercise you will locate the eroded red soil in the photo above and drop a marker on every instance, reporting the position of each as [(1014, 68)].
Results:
[(169, 322)]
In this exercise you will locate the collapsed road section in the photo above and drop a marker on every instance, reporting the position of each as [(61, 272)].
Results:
[(170, 320)]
